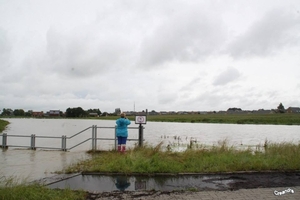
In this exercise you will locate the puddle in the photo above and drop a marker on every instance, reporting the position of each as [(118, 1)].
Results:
[(221, 182), (105, 183)]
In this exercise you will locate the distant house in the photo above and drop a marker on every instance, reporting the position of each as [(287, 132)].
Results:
[(118, 111), (262, 111), (172, 113), (293, 110), (37, 113), (54, 113), (163, 112), (153, 112), (129, 113), (93, 115)]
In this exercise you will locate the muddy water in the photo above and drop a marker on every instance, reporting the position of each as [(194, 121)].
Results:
[(95, 183), (32, 165), (102, 183)]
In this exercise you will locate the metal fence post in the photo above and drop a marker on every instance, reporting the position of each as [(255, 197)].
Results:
[(141, 135), (4, 141), (64, 143), (95, 134), (32, 143), (116, 139)]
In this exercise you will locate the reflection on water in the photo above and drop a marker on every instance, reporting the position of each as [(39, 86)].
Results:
[(32, 165), (103, 183), (122, 182), (196, 182)]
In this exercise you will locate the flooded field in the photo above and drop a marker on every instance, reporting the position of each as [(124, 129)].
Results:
[(30, 165)]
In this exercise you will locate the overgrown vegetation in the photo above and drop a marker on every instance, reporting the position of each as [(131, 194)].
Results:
[(222, 158), (12, 191), (3, 125)]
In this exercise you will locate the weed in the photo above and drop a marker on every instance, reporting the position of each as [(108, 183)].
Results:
[(219, 158)]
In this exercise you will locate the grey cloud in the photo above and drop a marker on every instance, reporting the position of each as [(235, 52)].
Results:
[(183, 36), (192, 84), (275, 31), (5, 48), (227, 76), (83, 55)]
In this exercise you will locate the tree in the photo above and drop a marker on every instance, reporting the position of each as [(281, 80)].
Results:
[(19, 112), (281, 108), (234, 109), (7, 112), (75, 112)]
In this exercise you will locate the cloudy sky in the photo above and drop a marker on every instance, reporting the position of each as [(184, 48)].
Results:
[(159, 55)]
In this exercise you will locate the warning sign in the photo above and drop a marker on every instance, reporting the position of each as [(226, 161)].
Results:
[(142, 119)]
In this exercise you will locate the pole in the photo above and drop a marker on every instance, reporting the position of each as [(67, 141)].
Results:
[(116, 138), (64, 143), (32, 145), (95, 137), (141, 135), (4, 141)]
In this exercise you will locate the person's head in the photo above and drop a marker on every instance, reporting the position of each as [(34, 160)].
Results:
[(123, 115)]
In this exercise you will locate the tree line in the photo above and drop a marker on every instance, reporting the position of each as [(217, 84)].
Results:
[(70, 112), (79, 112)]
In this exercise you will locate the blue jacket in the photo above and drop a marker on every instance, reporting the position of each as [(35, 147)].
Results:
[(122, 124)]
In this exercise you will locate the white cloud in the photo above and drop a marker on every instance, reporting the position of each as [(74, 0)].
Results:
[(277, 30), (162, 55), (188, 35), (227, 76)]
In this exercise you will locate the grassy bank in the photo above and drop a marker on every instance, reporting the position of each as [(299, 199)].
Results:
[(276, 119), (38, 192), (242, 118), (287, 119), (3, 125), (222, 158)]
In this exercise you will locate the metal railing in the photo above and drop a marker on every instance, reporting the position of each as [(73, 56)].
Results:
[(64, 139)]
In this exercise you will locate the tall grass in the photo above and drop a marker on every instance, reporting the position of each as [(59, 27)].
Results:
[(3, 125), (10, 190), (221, 158)]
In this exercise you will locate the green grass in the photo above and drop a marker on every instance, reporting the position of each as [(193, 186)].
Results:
[(38, 192), (3, 125), (222, 158), (288, 119), (251, 118), (241, 118)]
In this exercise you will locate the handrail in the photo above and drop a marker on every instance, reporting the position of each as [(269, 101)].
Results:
[(79, 143), (64, 139), (48, 137), (79, 133)]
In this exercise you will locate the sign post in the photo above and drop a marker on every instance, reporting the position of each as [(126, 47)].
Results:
[(141, 119)]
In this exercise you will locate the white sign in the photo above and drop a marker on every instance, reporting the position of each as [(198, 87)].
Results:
[(142, 119)]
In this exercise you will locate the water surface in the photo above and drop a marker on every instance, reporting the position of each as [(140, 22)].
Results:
[(32, 165)]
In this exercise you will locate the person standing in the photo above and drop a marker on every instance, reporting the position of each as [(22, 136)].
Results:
[(122, 132)]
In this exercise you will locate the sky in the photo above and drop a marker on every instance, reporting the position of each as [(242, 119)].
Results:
[(158, 55)]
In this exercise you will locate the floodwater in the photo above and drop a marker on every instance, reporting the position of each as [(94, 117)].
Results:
[(103, 183), (198, 182), (29, 165)]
